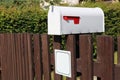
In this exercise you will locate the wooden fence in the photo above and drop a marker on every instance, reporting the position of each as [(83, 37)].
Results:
[(28, 57)]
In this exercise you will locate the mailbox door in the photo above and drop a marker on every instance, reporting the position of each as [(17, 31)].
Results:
[(54, 21)]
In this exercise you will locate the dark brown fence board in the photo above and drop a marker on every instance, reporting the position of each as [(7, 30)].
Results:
[(70, 46), (15, 56), (46, 57), (30, 63), (57, 45), (85, 42), (8, 57), (26, 57), (18, 57), (105, 55), (5, 59), (23, 56), (1, 42), (3, 53), (37, 57), (11, 47), (7, 65), (12, 61)]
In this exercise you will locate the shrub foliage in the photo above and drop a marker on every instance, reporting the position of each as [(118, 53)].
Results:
[(31, 18)]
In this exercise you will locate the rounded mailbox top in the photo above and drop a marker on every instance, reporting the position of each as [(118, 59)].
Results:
[(77, 10)]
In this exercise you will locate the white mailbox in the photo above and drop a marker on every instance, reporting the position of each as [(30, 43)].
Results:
[(74, 20)]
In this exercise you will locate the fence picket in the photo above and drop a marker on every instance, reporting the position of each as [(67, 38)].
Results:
[(19, 56), (85, 42), (11, 55), (37, 57), (22, 55), (70, 46), (46, 57), (30, 63), (105, 53), (26, 56)]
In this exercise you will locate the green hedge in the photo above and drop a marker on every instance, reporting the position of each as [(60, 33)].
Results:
[(31, 18)]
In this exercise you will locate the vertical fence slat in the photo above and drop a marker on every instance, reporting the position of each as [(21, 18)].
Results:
[(1, 56), (12, 53), (26, 56), (5, 75), (70, 46), (19, 56), (4, 59), (3, 51), (9, 57), (46, 57), (85, 47), (30, 63), (57, 45), (37, 57), (105, 56), (22, 56), (13, 56)]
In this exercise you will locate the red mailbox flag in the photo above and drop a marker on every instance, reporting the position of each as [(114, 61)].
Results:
[(75, 18)]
